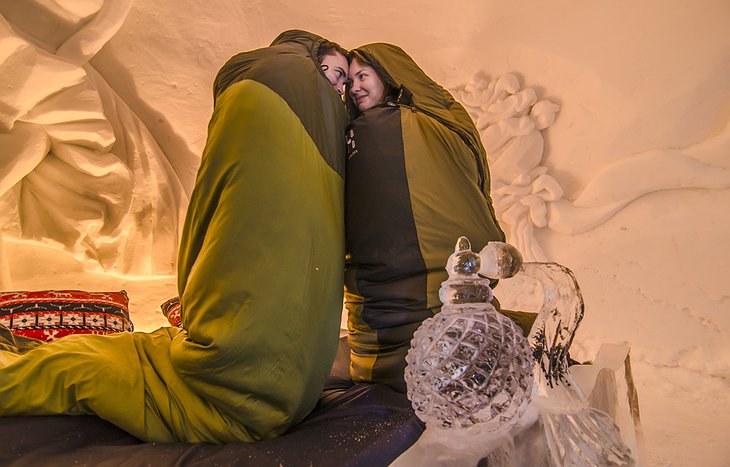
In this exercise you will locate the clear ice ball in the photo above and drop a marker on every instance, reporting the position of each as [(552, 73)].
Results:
[(469, 367)]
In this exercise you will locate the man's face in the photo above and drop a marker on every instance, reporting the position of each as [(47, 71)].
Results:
[(366, 88), (335, 69)]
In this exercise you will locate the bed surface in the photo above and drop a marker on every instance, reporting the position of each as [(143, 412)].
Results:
[(352, 424)]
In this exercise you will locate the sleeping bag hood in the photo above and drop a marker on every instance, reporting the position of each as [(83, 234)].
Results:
[(287, 66), (417, 179)]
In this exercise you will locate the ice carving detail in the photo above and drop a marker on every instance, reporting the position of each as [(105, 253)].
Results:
[(493, 416), (575, 433), (469, 366)]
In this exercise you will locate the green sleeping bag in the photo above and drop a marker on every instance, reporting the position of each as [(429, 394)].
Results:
[(260, 276), (417, 180)]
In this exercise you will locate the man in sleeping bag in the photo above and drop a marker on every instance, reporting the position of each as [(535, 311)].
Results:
[(417, 180), (259, 273)]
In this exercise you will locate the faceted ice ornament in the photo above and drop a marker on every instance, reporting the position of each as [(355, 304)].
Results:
[(469, 365), (458, 377)]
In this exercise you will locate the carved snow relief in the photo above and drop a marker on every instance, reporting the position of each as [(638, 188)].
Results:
[(510, 120), (79, 170)]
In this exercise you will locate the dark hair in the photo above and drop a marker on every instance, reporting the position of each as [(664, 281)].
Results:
[(391, 90), (329, 48)]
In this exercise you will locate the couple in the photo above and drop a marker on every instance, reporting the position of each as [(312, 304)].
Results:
[(270, 227)]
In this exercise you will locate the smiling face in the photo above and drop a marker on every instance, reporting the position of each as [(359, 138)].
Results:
[(366, 88), (334, 66)]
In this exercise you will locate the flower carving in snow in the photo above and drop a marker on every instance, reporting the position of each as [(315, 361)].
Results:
[(510, 121)]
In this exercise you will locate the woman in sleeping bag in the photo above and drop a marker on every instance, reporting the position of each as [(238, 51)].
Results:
[(259, 273), (417, 180)]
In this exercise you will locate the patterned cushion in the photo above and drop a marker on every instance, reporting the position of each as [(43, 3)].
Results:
[(49, 314), (171, 310)]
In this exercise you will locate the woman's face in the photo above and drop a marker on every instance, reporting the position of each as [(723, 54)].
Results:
[(367, 89), (335, 69)]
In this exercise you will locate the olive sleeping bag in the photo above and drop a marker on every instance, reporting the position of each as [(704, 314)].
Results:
[(417, 180), (260, 276)]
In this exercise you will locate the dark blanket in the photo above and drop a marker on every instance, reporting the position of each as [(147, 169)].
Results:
[(360, 424)]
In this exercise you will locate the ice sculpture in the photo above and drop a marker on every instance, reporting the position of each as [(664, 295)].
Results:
[(469, 366), (473, 418), (575, 433)]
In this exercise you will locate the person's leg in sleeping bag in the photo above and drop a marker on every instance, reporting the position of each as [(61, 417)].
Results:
[(417, 180), (259, 273)]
